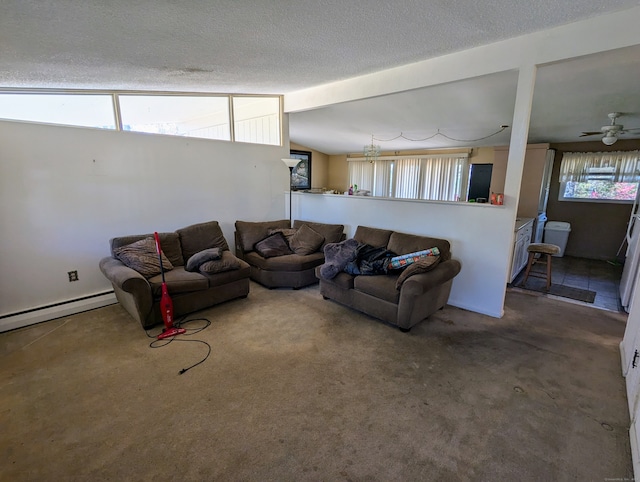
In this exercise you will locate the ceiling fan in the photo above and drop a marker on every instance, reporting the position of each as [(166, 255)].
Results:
[(611, 132)]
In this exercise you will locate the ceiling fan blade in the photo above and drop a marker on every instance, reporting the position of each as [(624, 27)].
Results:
[(634, 129), (589, 134)]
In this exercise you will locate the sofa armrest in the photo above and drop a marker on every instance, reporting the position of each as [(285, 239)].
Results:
[(419, 284), (125, 278), (238, 242)]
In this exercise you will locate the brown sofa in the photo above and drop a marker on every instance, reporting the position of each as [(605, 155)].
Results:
[(190, 290), (419, 296), (286, 271)]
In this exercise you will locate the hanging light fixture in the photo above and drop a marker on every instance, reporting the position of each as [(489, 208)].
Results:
[(609, 138), (372, 151)]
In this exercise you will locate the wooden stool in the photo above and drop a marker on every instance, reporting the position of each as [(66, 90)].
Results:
[(543, 249)]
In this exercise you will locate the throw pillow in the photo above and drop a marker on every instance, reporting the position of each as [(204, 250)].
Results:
[(306, 241), (336, 257), (194, 262), (423, 265), (249, 233), (227, 262), (143, 257), (272, 246), (288, 232)]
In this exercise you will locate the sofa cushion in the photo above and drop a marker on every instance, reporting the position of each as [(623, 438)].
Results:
[(194, 262), (402, 243), (373, 236), (201, 236), (178, 281), (342, 279), (381, 286), (422, 265), (142, 256), (272, 246), (332, 233), (226, 262), (169, 242), (252, 232), (290, 262), (306, 240)]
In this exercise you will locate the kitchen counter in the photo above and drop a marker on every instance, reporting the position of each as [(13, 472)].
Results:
[(521, 223), (522, 239)]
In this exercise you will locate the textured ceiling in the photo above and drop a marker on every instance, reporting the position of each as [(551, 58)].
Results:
[(252, 46), (279, 47)]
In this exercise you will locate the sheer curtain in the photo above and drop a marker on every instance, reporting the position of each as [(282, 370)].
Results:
[(383, 177), (361, 174), (575, 166), (408, 178), (375, 176), (436, 178), (443, 178)]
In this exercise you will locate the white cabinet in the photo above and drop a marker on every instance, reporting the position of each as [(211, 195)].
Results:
[(522, 239)]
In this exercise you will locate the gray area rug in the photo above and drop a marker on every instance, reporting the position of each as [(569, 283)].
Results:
[(300, 388)]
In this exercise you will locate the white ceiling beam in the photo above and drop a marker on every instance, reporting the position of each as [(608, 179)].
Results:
[(594, 35)]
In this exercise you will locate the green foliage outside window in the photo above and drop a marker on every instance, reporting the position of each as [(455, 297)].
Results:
[(603, 190)]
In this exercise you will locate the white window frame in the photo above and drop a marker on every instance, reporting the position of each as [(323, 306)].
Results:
[(275, 140)]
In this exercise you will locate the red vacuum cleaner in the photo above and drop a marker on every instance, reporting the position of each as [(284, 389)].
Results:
[(166, 305)]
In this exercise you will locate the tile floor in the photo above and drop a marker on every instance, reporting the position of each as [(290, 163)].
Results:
[(595, 275)]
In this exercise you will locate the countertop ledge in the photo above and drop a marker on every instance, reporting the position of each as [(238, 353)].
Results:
[(522, 222)]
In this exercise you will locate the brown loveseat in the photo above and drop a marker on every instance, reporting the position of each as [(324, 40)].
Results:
[(286, 270), (222, 279), (418, 297)]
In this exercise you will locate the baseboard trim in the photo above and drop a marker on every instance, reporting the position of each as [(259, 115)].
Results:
[(57, 310), (476, 309)]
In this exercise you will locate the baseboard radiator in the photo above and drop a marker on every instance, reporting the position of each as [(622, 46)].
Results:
[(52, 311)]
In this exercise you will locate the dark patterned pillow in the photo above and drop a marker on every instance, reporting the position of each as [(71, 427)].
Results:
[(306, 241), (200, 257), (288, 232), (272, 246), (143, 257), (422, 265), (227, 262)]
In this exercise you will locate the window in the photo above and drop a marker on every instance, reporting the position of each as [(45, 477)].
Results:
[(436, 178), (84, 110), (599, 176), (177, 115), (256, 120)]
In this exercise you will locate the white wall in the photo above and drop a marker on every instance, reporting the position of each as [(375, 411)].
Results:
[(65, 191), (472, 229)]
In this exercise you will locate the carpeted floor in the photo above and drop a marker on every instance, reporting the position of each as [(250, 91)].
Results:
[(299, 388)]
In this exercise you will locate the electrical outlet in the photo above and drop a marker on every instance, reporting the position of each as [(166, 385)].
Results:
[(73, 276)]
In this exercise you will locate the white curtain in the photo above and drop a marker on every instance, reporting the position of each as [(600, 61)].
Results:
[(383, 176), (408, 178), (575, 166), (436, 178), (361, 174), (443, 177)]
